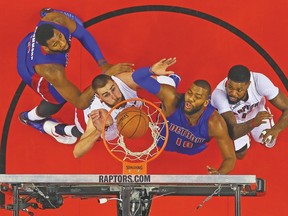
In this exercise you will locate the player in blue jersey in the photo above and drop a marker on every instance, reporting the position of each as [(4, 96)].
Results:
[(192, 120), (41, 60)]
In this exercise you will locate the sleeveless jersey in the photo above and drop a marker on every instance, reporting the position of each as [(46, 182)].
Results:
[(30, 54), (259, 88), (111, 132), (184, 138)]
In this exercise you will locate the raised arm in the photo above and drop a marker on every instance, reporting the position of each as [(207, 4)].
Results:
[(87, 140), (92, 132), (218, 130), (86, 39), (167, 94)]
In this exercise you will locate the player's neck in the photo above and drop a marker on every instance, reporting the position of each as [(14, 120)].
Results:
[(193, 118)]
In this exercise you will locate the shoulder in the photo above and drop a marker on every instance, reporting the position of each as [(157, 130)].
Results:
[(263, 85), (216, 124), (219, 93), (260, 79), (126, 78), (220, 101)]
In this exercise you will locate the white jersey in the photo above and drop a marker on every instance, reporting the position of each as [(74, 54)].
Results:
[(260, 88), (81, 117), (127, 93)]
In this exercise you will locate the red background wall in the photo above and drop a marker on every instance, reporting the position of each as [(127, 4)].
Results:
[(204, 50)]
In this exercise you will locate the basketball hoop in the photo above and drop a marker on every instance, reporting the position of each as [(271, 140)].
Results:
[(137, 152)]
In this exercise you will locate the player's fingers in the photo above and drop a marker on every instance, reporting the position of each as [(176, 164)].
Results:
[(265, 114), (208, 167), (170, 61), (162, 60), (267, 140), (126, 69)]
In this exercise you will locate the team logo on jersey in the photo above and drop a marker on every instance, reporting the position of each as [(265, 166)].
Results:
[(245, 110), (185, 133)]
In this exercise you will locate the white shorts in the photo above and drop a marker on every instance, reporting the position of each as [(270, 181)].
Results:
[(255, 133)]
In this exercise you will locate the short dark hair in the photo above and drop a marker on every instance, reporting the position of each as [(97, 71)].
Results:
[(100, 81), (203, 84), (43, 33), (239, 73)]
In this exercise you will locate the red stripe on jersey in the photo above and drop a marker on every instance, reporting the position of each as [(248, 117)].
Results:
[(80, 120), (41, 87)]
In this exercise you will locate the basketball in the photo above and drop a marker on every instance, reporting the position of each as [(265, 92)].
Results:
[(132, 122)]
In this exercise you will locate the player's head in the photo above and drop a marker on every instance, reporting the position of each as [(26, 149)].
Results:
[(197, 97), (51, 39), (107, 90), (237, 83)]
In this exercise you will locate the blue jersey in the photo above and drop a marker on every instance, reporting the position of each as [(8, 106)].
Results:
[(184, 138), (30, 53)]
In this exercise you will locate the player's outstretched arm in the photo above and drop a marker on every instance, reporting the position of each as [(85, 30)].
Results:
[(167, 94), (86, 39), (93, 131), (87, 140), (118, 69), (218, 129), (55, 74)]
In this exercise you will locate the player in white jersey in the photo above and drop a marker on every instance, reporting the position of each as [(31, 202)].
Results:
[(109, 91), (240, 99)]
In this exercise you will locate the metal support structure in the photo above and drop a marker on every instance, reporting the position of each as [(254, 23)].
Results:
[(237, 200), (15, 190), (125, 196), (134, 192)]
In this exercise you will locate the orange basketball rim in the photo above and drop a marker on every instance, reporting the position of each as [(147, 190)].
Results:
[(135, 162)]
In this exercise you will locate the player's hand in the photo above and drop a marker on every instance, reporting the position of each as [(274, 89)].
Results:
[(98, 117), (118, 68), (261, 118), (160, 67), (212, 171), (269, 136)]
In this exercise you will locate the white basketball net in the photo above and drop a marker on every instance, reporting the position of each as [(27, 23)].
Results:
[(156, 125)]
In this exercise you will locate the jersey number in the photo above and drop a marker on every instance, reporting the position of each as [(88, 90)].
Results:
[(185, 144)]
